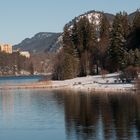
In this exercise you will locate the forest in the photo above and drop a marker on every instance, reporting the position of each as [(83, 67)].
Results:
[(89, 49), (13, 64)]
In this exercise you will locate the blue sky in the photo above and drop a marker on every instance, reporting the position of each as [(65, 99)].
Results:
[(24, 18)]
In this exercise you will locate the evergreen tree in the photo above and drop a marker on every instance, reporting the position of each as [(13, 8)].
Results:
[(136, 21), (104, 40), (126, 25), (137, 58), (58, 66), (134, 37), (69, 66), (31, 68), (75, 35), (84, 40), (132, 58), (117, 44)]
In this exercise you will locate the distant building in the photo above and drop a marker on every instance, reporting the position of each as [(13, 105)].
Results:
[(25, 53), (6, 48)]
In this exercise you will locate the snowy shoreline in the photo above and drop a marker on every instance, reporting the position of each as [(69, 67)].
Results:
[(95, 84), (108, 83)]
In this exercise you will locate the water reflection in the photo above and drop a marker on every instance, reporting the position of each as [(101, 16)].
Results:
[(100, 117), (30, 114), (41, 114), (7, 104)]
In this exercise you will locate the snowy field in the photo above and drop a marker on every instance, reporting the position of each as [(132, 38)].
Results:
[(110, 82), (99, 83)]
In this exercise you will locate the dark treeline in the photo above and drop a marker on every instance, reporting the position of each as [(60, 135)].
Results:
[(16, 64), (90, 49), (12, 64)]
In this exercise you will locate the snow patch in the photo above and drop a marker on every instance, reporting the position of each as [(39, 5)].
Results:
[(93, 18), (95, 83)]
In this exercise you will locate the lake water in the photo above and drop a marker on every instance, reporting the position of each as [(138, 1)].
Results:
[(20, 79), (57, 115)]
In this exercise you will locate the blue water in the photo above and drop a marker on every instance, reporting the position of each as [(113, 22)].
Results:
[(60, 115), (19, 79), (30, 115)]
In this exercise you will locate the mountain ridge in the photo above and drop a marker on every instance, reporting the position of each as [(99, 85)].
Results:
[(40, 42), (51, 42)]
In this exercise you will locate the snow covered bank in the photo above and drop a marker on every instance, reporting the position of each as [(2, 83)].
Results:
[(109, 83)]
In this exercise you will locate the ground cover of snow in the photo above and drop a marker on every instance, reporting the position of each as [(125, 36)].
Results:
[(109, 82)]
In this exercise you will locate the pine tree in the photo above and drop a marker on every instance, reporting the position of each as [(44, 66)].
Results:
[(70, 64), (104, 40), (31, 68), (75, 36), (134, 37), (58, 66), (130, 58), (117, 45), (136, 21), (84, 39), (70, 61), (137, 58)]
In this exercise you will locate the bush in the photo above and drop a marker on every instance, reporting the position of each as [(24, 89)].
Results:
[(137, 84), (103, 73), (130, 73)]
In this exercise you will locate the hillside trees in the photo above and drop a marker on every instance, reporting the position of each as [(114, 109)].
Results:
[(119, 33), (84, 39), (83, 52), (78, 49), (104, 35), (68, 65), (133, 41), (90, 48), (132, 56), (10, 64), (58, 66)]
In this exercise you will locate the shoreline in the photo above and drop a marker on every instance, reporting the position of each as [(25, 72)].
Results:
[(97, 83), (57, 85)]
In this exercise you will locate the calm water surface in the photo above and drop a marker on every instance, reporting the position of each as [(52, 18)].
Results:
[(20, 79), (51, 115)]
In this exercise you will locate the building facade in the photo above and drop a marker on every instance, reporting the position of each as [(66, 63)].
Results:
[(6, 48), (25, 53)]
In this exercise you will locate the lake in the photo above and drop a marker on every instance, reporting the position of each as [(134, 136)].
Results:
[(57, 115), (20, 79)]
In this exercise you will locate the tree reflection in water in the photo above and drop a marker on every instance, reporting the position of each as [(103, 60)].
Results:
[(101, 116)]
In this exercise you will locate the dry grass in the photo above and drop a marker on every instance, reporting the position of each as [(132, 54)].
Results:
[(47, 82)]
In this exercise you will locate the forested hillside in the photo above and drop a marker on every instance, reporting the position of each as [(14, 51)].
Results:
[(95, 47)]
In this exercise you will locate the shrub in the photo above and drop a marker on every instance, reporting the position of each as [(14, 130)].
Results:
[(130, 73), (103, 73), (137, 84)]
